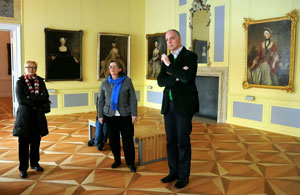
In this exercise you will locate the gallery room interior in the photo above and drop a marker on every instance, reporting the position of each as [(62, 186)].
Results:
[(245, 137)]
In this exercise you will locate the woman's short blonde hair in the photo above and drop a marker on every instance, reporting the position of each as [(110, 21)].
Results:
[(31, 62)]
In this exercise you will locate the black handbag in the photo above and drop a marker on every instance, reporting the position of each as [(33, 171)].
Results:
[(46, 107)]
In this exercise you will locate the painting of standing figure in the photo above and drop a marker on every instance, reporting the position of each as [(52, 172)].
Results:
[(112, 47), (270, 52), (156, 47), (63, 55)]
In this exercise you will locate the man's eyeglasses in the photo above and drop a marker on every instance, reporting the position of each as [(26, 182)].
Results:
[(31, 67), (114, 67)]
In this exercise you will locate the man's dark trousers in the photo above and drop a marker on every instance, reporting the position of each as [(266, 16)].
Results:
[(178, 129)]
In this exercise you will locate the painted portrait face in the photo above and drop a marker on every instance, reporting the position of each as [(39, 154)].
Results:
[(62, 40), (267, 34)]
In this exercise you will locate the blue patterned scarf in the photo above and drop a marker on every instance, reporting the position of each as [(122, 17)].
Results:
[(116, 90)]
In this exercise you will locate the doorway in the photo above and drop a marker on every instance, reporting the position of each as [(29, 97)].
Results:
[(5, 75), (14, 31)]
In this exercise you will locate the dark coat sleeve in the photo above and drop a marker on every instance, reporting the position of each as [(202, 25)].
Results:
[(165, 79), (23, 94), (185, 76), (184, 91), (27, 102)]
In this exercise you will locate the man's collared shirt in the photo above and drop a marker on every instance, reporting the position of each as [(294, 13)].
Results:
[(176, 53)]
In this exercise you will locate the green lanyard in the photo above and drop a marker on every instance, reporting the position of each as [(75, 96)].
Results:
[(170, 95)]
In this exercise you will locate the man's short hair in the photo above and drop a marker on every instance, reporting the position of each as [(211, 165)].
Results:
[(174, 30)]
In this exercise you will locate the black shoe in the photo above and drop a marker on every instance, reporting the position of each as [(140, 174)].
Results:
[(91, 142), (132, 168), (100, 146), (115, 164), (38, 168), (23, 174), (169, 178), (181, 183)]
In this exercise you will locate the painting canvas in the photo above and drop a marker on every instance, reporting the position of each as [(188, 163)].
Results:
[(10, 10), (200, 48), (270, 48), (156, 46), (7, 8), (63, 55), (112, 47)]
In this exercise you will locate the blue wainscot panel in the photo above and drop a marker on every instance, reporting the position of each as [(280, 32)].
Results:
[(73, 100), (182, 28), (219, 33), (95, 98), (248, 111), (154, 97), (182, 2), (138, 95), (53, 99), (285, 116)]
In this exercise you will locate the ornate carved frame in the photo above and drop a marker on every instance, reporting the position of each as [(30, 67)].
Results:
[(292, 17), (198, 5)]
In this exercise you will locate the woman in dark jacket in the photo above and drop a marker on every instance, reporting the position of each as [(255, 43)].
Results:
[(31, 123)]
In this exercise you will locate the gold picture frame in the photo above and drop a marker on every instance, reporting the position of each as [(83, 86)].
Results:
[(63, 55), (10, 11), (270, 52), (156, 46), (112, 46)]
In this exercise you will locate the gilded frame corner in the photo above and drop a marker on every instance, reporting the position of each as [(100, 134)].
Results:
[(269, 62)]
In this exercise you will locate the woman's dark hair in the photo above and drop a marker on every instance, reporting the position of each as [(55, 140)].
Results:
[(121, 73)]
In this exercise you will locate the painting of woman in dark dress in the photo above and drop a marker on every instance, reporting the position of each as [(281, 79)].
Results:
[(63, 60)]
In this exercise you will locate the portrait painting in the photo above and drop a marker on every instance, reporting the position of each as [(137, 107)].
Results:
[(156, 46), (7, 8), (112, 47), (270, 50), (10, 10), (63, 55), (200, 48)]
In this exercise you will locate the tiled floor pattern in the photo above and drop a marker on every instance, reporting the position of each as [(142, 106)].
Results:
[(226, 159)]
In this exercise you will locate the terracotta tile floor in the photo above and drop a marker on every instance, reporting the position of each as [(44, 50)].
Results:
[(226, 159)]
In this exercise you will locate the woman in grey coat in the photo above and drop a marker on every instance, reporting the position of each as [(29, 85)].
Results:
[(117, 106), (31, 123)]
